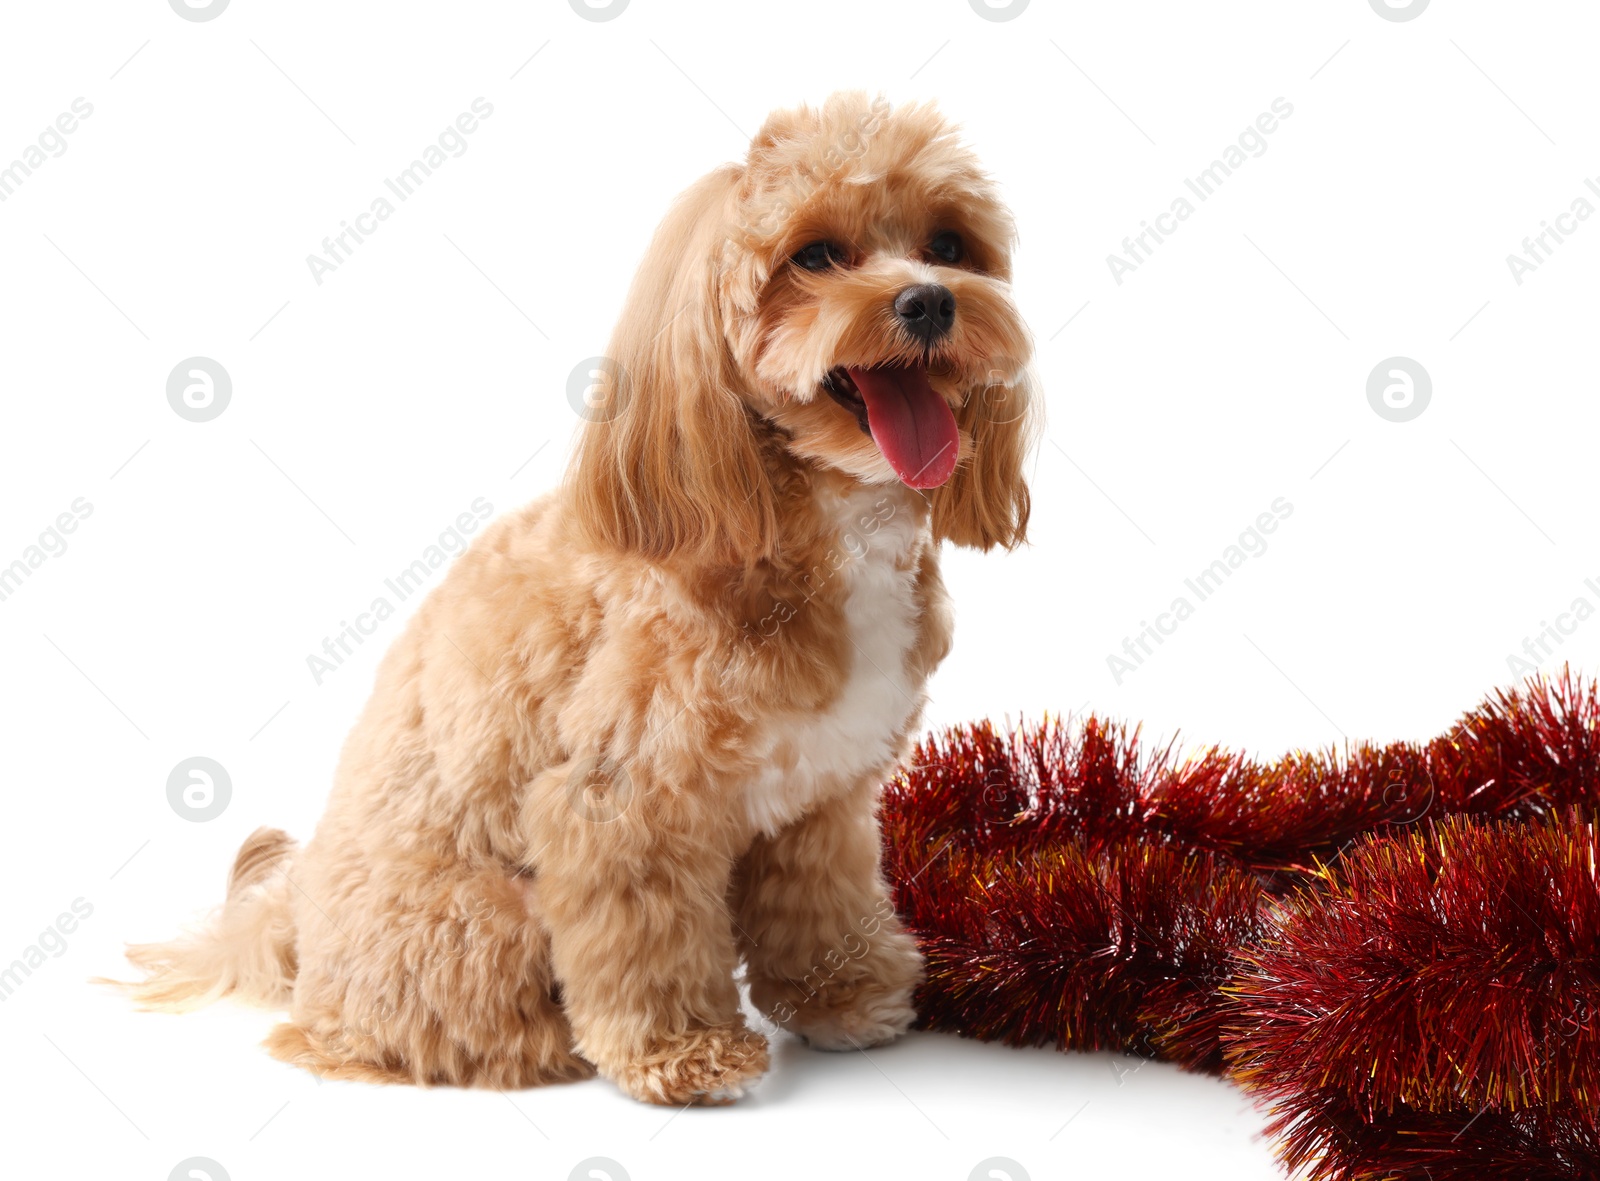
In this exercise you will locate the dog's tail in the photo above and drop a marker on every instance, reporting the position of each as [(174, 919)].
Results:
[(245, 950)]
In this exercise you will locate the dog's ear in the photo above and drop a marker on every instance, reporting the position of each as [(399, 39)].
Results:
[(986, 502), (672, 464)]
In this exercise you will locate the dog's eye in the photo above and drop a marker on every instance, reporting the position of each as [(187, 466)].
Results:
[(819, 256), (946, 246)]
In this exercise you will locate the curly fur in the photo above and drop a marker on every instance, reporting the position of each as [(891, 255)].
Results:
[(634, 739)]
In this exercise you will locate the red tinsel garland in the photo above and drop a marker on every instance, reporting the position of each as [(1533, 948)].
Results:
[(1440, 994), (1397, 947)]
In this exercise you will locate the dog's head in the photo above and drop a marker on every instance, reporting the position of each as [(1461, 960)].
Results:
[(844, 293)]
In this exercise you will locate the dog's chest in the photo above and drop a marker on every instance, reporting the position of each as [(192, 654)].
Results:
[(807, 756)]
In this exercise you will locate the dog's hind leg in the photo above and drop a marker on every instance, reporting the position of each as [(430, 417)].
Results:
[(429, 973)]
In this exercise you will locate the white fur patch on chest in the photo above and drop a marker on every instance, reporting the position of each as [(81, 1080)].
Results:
[(808, 756)]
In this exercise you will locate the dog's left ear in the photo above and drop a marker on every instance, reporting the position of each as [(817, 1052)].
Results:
[(986, 502)]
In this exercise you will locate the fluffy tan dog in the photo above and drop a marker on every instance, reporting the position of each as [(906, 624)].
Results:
[(634, 739)]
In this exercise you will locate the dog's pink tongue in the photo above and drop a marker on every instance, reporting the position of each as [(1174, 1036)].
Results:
[(911, 424)]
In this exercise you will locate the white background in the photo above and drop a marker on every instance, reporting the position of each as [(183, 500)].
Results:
[(1229, 370)]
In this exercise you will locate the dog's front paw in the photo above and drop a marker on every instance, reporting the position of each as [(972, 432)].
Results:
[(855, 1018), (709, 1067), (865, 1003)]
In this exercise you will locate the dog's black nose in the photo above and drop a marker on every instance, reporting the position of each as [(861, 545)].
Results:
[(927, 310)]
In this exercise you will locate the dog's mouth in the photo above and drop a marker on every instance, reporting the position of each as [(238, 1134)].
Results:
[(906, 417)]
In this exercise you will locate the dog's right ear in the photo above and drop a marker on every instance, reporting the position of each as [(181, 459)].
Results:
[(671, 465)]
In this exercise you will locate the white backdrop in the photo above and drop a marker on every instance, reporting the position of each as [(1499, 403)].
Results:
[(196, 163)]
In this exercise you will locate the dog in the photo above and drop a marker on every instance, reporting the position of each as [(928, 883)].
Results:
[(634, 739)]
